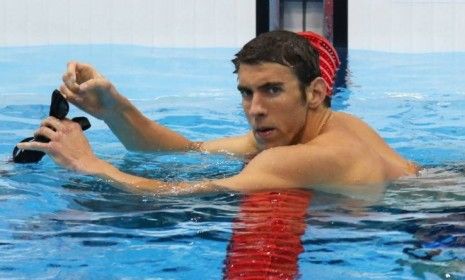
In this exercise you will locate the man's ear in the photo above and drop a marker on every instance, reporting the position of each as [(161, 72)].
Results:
[(316, 92)]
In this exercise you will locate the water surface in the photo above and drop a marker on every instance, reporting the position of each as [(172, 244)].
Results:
[(58, 224)]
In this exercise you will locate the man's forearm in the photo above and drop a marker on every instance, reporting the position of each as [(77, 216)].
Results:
[(136, 184), (137, 132)]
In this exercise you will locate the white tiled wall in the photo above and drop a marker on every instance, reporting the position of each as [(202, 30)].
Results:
[(163, 23), (407, 25)]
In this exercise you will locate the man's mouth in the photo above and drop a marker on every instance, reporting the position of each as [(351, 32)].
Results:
[(264, 132)]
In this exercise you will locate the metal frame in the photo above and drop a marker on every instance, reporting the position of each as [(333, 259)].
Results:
[(269, 16)]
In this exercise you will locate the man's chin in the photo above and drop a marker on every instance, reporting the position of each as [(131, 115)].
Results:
[(262, 145)]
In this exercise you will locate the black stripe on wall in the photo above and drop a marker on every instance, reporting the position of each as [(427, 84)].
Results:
[(262, 16), (340, 23)]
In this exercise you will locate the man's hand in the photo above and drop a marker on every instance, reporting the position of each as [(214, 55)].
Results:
[(68, 146), (86, 88)]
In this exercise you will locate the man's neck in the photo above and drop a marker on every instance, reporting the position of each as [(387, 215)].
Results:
[(316, 122)]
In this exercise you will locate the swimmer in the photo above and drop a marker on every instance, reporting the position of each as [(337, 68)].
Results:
[(295, 139)]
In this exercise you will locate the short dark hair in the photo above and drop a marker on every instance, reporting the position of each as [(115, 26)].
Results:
[(286, 48)]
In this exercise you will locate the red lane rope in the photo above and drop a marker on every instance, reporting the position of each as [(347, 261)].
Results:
[(266, 236)]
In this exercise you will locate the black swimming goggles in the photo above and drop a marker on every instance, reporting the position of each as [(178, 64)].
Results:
[(59, 108)]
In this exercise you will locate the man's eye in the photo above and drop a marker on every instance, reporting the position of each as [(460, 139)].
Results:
[(274, 89), (245, 93)]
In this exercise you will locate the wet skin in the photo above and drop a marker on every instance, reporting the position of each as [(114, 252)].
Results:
[(298, 142), (273, 103)]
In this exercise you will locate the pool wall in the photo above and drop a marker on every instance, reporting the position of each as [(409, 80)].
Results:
[(413, 26), (381, 25), (160, 23)]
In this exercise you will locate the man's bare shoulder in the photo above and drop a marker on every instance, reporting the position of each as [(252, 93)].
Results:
[(365, 145), (346, 119), (310, 165), (294, 166)]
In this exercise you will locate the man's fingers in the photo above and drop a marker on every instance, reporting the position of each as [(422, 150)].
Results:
[(34, 145), (69, 78), (71, 68), (52, 123), (86, 72), (74, 98), (45, 132), (82, 66), (70, 81), (90, 84)]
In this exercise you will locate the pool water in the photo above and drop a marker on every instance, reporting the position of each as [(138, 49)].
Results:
[(58, 224)]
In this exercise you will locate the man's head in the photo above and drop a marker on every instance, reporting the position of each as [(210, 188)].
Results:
[(285, 48)]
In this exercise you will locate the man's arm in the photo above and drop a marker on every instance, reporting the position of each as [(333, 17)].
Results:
[(288, 167), (141, 185), (275, 168), (296, 166), (309, 165), (137, 132), (313, 166), (268, 171), (86, 88)]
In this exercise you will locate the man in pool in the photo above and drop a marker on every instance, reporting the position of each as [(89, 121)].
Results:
[(295, 141)]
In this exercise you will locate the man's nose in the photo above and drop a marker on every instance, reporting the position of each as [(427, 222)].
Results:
[(257, 105)]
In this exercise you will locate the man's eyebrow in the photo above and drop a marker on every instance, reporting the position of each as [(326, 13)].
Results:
[(263, 86), (271, 84), (242, 88)]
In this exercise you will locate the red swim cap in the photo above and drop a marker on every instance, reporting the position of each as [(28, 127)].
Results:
[(329, 61)]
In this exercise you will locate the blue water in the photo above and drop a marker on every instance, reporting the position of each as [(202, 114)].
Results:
[(58, 224)]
